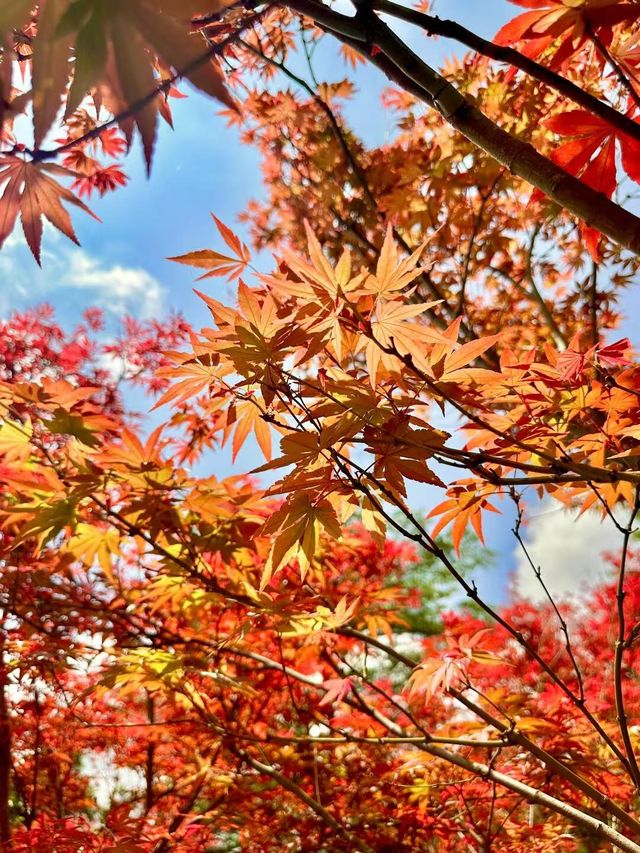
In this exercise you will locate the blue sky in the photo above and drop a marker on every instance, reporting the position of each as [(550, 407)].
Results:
[(198, 168)]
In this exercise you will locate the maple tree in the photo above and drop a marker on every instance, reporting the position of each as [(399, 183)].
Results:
[(263, 667)]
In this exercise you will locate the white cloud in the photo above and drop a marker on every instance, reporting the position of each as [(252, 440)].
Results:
[(71, 274), (117, 288), (569, 549)]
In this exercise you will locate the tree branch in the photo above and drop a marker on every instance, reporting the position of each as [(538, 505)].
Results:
[(314, 805), (381, 46), (453, 30), (621, 646), (517, 738), (533, 795)]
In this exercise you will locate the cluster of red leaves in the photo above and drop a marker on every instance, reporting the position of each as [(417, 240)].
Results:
[(91, 174), (581, 36), (33, 344)]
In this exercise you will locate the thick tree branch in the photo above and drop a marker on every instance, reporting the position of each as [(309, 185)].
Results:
[(533, 795), (435, 26), (384, 48)]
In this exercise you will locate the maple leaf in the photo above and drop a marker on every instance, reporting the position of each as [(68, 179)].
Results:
[(297, 527), (302, 449), (86, 427), (463, 507), (322, 619), (613, 355), (352, 56), (393, 273), (114, 46), (434, 676), (244, 418), (401, 452), (591, 136), (45, 519), (337, 689), (590, 154), (112, 143), (320, 279), (30, 192), (215, 263), (454, 366), (102, 179), (90, 543), (15, 441), (140, 463), (450, 668), (573, 361), (392, 327), (563, 22)]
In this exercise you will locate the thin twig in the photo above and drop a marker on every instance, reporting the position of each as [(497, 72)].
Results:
[(621, 647), (604, 52), (538, 573)]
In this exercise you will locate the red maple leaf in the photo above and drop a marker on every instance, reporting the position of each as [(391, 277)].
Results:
[(337, 689), (568, 25), (590, 154)]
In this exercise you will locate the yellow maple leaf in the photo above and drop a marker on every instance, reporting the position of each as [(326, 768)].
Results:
[(90, 543), (15, 441)]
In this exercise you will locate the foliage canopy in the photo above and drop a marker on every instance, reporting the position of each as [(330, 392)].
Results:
[(261, 667)]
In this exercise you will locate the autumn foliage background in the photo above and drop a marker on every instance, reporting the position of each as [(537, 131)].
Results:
[(401, 345)]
